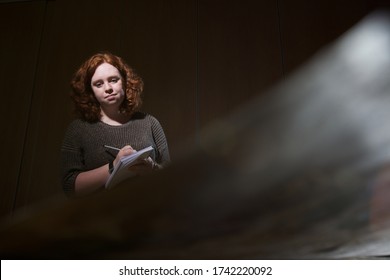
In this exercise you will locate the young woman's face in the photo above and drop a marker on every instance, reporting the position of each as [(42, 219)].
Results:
[(107, 86)]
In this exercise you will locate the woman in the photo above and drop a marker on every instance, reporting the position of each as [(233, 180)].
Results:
[(107, 95)]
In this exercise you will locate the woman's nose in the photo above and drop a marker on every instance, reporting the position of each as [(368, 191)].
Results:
[(108, 88)]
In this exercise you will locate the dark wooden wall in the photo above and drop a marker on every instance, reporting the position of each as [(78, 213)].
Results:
[(200, 59)]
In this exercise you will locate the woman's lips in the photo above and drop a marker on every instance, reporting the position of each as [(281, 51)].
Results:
[(110, 97)]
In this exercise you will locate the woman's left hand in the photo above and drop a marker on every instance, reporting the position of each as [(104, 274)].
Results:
[(143, 166)]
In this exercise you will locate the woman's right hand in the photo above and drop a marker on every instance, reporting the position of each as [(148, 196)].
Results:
[(92, 180), (125, 151)]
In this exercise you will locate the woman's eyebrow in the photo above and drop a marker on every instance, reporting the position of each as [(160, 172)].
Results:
[(109, 77), (95, 81)]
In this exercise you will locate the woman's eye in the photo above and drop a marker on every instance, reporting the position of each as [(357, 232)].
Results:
[(114, 80), (98, 85)]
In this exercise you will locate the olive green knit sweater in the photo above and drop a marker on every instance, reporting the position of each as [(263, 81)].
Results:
[(83, 145)]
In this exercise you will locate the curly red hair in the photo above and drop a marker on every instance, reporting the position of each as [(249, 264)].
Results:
[(86, 104)]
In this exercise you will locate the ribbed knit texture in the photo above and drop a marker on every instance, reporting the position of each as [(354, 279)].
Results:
[(83, 145)]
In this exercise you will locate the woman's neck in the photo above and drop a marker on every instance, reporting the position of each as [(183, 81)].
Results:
[(114, 117)]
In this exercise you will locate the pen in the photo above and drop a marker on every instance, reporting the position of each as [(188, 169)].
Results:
[(110, 147)]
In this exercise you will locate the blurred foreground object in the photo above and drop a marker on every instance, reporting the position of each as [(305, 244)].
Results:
[(299, 173)]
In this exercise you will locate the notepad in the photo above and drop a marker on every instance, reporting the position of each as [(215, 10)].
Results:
[(121, 170)]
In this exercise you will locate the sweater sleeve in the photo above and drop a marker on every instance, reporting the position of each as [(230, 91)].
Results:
[(72, 162), (162, 156)]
